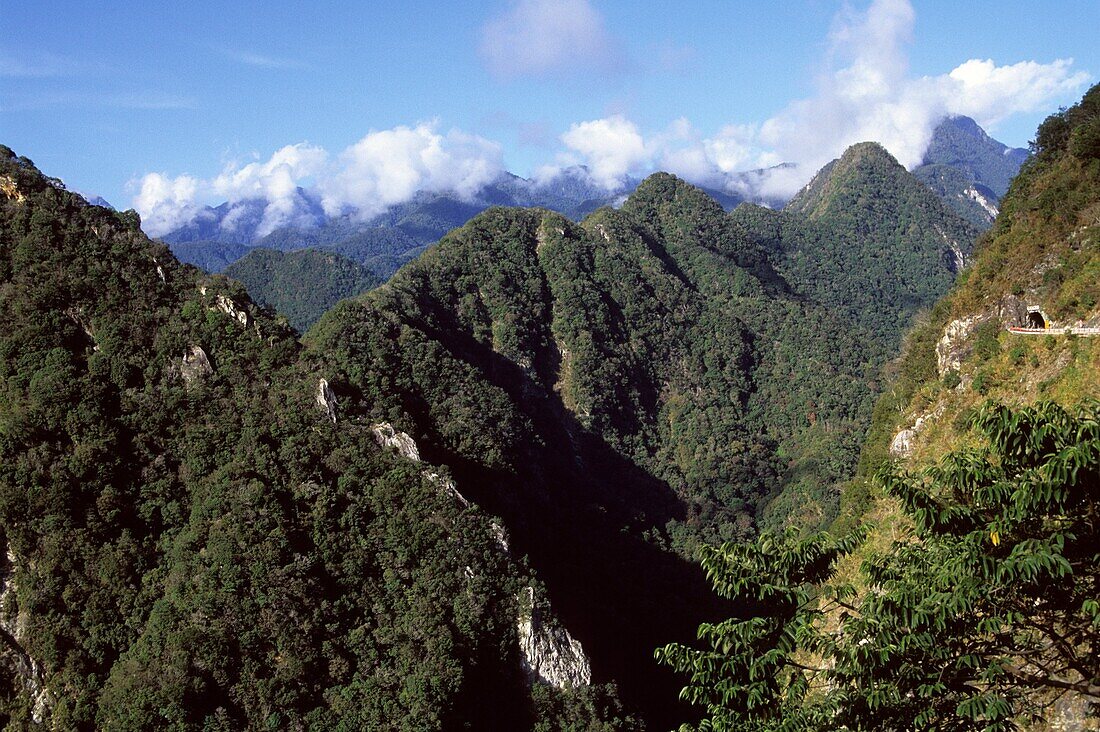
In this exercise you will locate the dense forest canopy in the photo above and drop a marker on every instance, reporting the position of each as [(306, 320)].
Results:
[(620, 392), (963, 590)]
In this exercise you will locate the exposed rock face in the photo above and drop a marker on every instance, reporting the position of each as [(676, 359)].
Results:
[(902, 444), (12, 651), (326, 400), (549, 654), (501, 535), (1011, 310), (386, 436), (987, 205), (954, 346), (230, 308), (448, 486), (10, 190), (195, 366), (955, 258)]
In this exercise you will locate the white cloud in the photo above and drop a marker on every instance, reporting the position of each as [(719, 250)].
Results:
[(165, 204), (991, 93), (390, 166), (865, 93), (384, 168), (537, 37), (869, 95), (611, 148), (275, 181)]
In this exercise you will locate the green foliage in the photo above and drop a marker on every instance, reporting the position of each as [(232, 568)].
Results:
[(302, 284), (756, 672), (978, 623), (204, 549)]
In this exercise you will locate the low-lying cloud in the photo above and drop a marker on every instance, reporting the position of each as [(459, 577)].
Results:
[(382, 169), (389, 167), (865, 93)]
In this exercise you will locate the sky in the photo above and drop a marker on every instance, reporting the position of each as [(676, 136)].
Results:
[(165, 107)]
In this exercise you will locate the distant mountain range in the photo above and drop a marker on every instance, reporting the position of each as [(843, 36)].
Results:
[(963, 165)]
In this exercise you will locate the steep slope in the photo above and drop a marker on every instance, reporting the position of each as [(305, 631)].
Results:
[(1038, 266), (197, 537), (302, 284), (967, 597), (866, 239), (640, 382), (618, 391), (960, 143), (1042, 255), (968, 169)]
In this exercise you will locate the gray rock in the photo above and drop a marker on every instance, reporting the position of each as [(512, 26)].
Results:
[(13, 632), (386, 436), (548, 653), (195, 366), (954, 346), (326, 400), (230, 308)]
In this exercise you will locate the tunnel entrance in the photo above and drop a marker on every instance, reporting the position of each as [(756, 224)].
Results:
[(1036, 319)]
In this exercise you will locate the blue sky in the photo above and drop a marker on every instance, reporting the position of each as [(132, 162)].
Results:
[(167, 106)]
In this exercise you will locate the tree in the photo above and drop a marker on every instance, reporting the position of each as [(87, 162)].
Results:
[(983, 618)]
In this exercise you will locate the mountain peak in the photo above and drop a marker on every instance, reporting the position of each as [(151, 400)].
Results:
[(857, 167), (961, 143)]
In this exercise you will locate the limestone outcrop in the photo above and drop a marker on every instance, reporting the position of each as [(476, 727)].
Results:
[(13, 631), (550, 655), (326, 400)]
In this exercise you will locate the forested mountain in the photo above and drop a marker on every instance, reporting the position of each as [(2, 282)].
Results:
[(301, 284), (968, 169), (198, 537), (958, 588), (619, 391), (963, 165), (866, 239), (218, 236)]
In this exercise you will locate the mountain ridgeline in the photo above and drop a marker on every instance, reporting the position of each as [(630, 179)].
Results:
[(968, 169), (202, 531), (963, 166), (958, 587)]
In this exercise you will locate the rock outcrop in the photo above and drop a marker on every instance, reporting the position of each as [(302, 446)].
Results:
[(902, 444), (386, 436), (954, 345), (195, 366), (548, 653), (10, 190), (230, 308), (326, 400), (13, 627)]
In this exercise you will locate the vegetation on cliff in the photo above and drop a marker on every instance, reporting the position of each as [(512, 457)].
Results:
[(967, 597)]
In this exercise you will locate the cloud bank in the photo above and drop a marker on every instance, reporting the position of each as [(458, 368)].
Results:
[(868, 94), (383, 168), (865, 92), (541, 37)]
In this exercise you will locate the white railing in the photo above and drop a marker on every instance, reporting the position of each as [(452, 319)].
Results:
[(1058, 330)]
